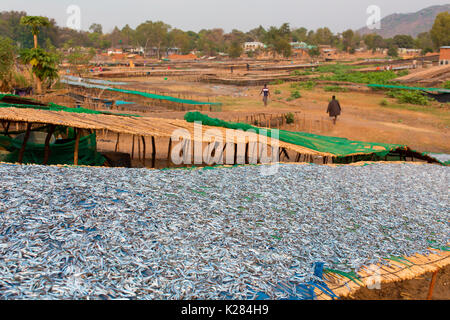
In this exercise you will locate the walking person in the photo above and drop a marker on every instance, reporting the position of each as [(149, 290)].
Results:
[(334, 109), (266, 94)]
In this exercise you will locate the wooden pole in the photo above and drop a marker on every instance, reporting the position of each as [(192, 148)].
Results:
[(47, 144), (432, 284), (153, 152), (77, 145), (132, 149), (169, 152), (117, 142), (24, 143), (143, 151), (246, 153), (139, 149)]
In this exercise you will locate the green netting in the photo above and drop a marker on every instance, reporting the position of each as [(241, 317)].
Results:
[(340, 147), (165, 98), (53, 107), (143, 94), (62, 154)]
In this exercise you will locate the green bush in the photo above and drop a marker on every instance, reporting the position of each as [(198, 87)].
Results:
[(295, 95), (384, 102), (408, 96), (300, 73), (289, 118), (446, 85), (277, 91), (275, 82), (308, 85), (383, 77), (335, 89)]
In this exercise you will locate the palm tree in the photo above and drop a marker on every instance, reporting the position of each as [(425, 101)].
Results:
[(35, 22)]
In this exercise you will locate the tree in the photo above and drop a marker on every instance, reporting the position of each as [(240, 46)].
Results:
[(79, 59), (235, 50), (299, 35), (314, 52), (403, 41), (127, 35), (36, 23), (374, 41), (179, 39), (44, 66), (393, 51), (7, 53), (347, 39), (278, 39), (424, 41), (154, 34), (256, 34), (324, 36), (96, 28), (440, 33)]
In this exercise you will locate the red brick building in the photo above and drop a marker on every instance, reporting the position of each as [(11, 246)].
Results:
[(444, 57)]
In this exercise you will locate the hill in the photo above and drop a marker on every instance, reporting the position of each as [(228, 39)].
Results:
[(407, 23)]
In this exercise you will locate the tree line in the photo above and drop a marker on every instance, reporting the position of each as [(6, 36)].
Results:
[(160, 36)]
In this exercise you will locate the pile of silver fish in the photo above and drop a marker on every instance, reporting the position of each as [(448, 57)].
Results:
[(225, 233)]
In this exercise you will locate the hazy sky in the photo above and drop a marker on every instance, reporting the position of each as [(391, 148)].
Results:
[(338, 15)]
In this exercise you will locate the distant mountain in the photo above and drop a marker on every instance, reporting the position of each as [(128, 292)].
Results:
[(407, 23)]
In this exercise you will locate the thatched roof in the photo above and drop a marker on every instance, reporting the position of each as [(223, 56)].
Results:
[(141, 126)]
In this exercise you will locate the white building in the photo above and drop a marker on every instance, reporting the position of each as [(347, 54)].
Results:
[(253, 46)]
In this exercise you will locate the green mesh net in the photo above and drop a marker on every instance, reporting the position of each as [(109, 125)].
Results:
[(343, 149), (61, 152)]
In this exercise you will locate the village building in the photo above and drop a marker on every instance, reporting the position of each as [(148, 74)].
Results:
[(253, 46), (444, 56)]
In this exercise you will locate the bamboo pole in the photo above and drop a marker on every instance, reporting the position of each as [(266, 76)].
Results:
[(117, 143), (153, 152), (143, 151), (432, 284), (169, 161), (47, 144), (24, 143), (132, 149), (77, 145)]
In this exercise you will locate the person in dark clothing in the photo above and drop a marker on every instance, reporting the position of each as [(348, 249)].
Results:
[(232, 68), (266, 94), (248, 67), (334, 109)]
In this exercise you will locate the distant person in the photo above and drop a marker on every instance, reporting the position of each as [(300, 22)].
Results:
[(248, 67), (266, 94), (231, 69), (334, 109)]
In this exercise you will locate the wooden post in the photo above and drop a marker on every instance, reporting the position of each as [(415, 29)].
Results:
[(77, 145), (47, 144), (143, 151), (24, 143), (117, 142), (132, 149), (153, 152), (432, 284), (169, 161), (246, 153)]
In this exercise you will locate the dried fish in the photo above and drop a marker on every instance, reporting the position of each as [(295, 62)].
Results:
[(228, 233)]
